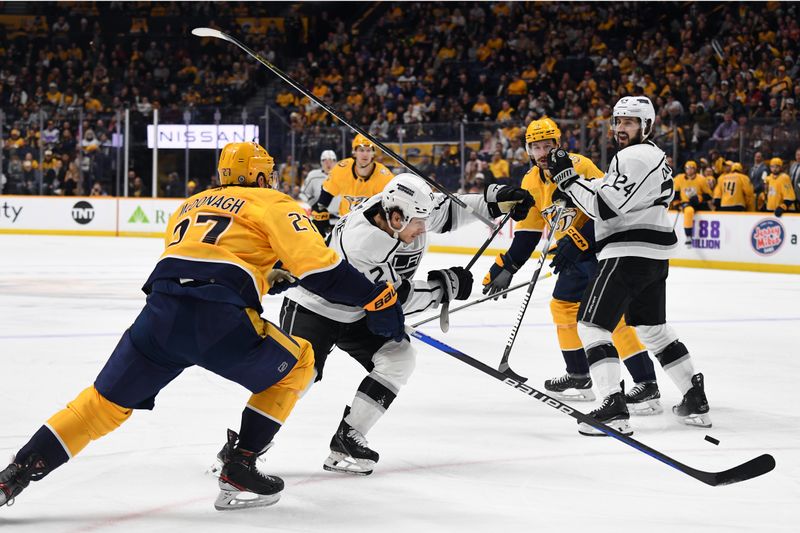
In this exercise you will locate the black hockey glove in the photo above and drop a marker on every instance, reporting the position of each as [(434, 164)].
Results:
[(570, 249), (321, 218), (779, 211), (560, 166), (456, 283), (694, 201), (279, 279), (384, 313), (499, 276), (561, 196), (502, 198)]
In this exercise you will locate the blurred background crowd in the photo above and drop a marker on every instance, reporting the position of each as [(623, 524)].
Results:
[(450, 86)]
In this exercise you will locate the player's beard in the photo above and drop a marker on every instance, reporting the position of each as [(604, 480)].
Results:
[(636, 139)]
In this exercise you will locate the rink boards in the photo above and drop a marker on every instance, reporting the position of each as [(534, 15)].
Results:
[(739, 241)]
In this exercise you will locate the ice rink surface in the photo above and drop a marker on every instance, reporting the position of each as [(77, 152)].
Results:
[(459, 450)]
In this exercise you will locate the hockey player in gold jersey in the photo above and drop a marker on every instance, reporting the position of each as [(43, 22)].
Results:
[(734, 191), (576, 263), (778, 189), (203, 308), (692, 194), (354, 179)]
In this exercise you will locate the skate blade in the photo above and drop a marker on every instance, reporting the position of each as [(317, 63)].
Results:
[(623, 426), (232, 499), (645, 408), (339, 462), (573, 395), (698, 420)]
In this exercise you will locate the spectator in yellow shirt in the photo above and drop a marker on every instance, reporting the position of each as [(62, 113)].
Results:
[(499, 167), (518, 87), (285, 98), (481, 109), (506, 112)]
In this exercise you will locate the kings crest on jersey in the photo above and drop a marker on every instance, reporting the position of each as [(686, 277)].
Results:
[(381, 257)]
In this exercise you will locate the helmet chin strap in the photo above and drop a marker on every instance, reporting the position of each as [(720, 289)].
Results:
[(395, 232)]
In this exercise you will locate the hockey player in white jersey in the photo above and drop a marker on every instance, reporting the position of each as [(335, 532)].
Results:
[(384, 237), (312, 186), (636, 238)]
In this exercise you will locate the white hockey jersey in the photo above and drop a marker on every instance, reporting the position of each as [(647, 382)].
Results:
[(629, 204), (312, 188), (381, 257)]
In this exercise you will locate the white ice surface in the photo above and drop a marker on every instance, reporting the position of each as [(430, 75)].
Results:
[(459, 450)]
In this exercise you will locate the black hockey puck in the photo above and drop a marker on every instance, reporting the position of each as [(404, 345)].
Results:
[(712, 440)]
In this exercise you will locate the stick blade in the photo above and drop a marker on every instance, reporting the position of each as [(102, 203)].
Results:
[(755, 467), (209, 32), (505, 369)]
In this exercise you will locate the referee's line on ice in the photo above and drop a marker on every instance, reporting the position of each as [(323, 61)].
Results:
[(452, 326)]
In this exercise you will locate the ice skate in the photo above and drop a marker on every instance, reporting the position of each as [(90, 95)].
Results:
[(16, 477), (613, 413), (224, 453), (241, 485), (350, 452), (643, 399), (688, 243), (693, 409), (570, 388)]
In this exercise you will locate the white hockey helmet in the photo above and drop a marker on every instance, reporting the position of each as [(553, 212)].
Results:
[(327, 154), (411, 195), (639, 107)]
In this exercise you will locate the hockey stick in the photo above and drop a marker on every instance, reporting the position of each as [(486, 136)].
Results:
[(504, 368), (481, 300), (753, 468), (444, 315), (209, 32)]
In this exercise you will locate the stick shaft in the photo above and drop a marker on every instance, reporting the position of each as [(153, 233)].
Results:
[(524, 307), (205, 32), (753, 468)]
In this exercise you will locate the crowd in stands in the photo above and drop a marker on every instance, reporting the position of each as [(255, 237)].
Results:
[(66, 68), (720, 75), (723, 78)]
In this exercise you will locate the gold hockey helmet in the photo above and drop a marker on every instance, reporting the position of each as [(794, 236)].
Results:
[(242, 163), (360, 140), (542, 129)]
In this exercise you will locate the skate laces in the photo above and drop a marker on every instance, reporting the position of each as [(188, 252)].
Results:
[(561, 380), (358, 437), (637, 389)]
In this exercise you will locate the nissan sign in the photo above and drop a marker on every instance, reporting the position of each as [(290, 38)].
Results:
[(209, 136)]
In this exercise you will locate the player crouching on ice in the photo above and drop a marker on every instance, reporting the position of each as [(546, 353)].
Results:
[(385, 237), (203, 308)]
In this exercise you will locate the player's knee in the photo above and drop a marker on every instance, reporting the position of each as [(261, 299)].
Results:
[(395, 362), (626, 341), (673, 353), (99, 415), (565, 313), (656, 338), (593, 335), (302, 375)]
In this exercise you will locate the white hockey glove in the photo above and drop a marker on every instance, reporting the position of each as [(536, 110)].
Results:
[(456, 283)]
